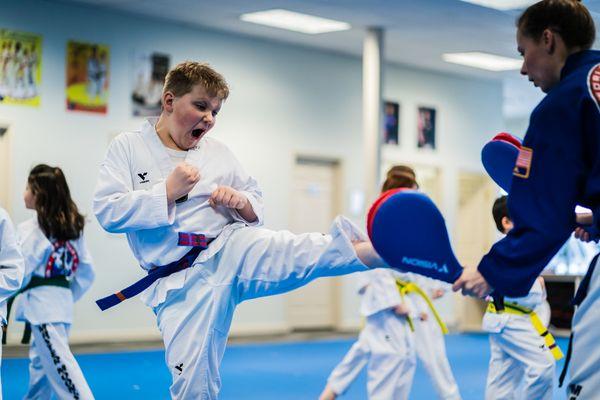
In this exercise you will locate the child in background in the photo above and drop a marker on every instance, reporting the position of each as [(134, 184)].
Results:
[(385, 345), (58, 271), (404, 299), (523, 352), (429, 331)]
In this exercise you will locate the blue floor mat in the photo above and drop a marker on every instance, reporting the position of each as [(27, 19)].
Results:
[(280, 371)]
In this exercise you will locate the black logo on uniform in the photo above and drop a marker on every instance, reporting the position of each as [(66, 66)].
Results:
[(61, 368), (143, 177), (179, 369)]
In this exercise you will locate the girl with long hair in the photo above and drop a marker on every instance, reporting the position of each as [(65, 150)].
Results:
[(58, 271)]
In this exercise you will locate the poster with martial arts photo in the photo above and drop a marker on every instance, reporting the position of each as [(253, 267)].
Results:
[(391, 122), (426, 128), (20, 68), (87, 77), (149, 72)]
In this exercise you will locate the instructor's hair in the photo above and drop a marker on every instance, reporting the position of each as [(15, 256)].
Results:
[(569, 18), (184, 76), (499, 211), (399, 176), (57, 214)]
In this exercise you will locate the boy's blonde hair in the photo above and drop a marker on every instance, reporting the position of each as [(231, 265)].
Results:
[(184, 76)]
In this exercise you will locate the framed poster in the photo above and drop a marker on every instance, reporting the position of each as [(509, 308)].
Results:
[(391, 123), (20, 68), (426, 128), (87, 77)]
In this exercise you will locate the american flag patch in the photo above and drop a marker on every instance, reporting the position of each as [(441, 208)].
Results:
[(523, 164)]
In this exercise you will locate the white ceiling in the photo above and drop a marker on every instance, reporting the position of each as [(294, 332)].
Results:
[(417, 32)]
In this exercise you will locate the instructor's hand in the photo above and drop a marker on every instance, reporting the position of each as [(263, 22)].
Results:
[(181, 181), (227, 197), (472, 283), (586, 232)]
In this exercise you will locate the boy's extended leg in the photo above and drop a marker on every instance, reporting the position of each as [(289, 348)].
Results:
[(262, 262)]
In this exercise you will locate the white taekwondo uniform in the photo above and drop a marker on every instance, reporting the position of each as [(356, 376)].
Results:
[(49, 309), (429, 339), (521, 365), (385, 345), (194, 307)]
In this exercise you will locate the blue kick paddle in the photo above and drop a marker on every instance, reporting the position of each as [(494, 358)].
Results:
[(409, 233)]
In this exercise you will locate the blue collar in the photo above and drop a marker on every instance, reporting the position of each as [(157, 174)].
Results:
[(579, 59)]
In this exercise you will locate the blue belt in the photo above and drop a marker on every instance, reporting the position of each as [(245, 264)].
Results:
[(159, 272)]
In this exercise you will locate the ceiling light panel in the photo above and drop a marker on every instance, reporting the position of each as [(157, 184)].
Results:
[(294, 21), (490, 62)]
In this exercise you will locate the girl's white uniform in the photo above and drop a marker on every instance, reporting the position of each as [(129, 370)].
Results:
[(49, 309)]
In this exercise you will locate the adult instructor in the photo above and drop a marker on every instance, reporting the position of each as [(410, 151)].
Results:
[(557, 168)]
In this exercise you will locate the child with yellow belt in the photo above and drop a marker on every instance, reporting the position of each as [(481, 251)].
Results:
[(523, 352), (429, 331)]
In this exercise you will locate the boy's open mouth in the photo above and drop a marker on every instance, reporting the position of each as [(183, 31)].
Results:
[(197, 132)]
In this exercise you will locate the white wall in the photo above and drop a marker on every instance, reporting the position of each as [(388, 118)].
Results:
[(285, 101)]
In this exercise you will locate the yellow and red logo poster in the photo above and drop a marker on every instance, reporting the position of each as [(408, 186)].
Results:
[(20, 68), (87, 77)]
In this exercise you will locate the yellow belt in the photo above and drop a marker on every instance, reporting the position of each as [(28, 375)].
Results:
[(511, 308), (405, 288)]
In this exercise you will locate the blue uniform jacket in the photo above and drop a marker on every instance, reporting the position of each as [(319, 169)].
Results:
[(558, 168)]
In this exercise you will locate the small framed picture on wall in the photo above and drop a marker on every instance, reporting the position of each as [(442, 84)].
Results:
[(391, 123), (88, 71), (426, 128), (149, 77)]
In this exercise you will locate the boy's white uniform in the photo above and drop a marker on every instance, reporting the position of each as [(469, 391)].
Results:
[(429, 339), (386, 343), (49, 310), (11, 267), (521, 366), (194, 307)]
